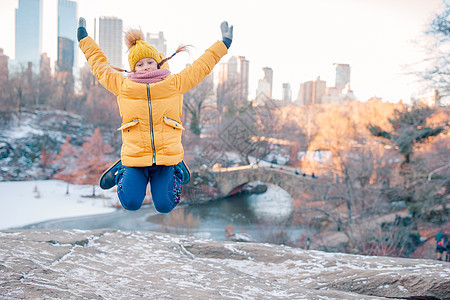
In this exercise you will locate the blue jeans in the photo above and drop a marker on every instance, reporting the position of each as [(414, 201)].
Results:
[(165, 182)]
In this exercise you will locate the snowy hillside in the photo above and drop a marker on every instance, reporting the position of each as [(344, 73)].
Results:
[(25, 136)]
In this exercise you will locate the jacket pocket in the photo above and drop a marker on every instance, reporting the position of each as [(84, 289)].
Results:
[(171, 137), (129, 124), (174, 124), (133, 144)]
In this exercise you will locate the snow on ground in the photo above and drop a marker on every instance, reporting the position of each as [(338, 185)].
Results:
[(28, 202)]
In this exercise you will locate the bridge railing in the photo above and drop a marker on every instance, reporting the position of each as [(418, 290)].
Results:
[(273, 168)]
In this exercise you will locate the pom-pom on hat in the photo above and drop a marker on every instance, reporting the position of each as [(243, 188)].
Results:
[(138, 49)]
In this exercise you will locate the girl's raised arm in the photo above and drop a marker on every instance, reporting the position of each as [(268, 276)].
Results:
[(101, 68), (201, 67)]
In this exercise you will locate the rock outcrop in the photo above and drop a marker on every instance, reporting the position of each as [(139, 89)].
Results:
[(113, 264)]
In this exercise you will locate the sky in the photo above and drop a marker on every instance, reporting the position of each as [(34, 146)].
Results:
[(299, 39)]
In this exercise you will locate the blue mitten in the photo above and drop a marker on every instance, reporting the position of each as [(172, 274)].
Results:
[(227, 33), (81, 33)]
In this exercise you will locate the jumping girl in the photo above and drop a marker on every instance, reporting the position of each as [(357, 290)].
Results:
[(150, 101)]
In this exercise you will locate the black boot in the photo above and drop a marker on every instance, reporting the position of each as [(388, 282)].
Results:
[(186, 173), (108, 178)]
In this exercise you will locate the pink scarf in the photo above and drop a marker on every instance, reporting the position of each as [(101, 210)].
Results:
[(149, 77)]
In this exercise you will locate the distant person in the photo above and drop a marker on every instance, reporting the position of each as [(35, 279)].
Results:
[(150, 101), (439, 245), (308, 243), (446, 245)]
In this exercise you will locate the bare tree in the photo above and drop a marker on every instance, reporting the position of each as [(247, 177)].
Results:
[(228, 102), (194, 103), (101, 109), (88, 80), (437, 63), (350, 181), (23, 89), (64, 93)]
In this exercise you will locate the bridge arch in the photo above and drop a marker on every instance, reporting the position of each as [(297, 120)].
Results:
[(229, 178)]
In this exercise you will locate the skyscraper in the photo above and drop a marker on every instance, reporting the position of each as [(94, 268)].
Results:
[(28, 32), (44, 66), (158, 41), (67, 35), (264, 90), (223, 73), (65, 54), (287, 92), (3, 67), (238, 75), (244, 69), (342, 75), (268, 76), (222, 89), (110, 39), (311, 92)]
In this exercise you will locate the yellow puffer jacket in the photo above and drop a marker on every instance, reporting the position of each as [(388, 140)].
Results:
[(151, 127)]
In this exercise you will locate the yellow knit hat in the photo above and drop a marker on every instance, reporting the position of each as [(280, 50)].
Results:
[(138, 49)]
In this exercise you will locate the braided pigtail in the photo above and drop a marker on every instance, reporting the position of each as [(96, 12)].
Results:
[(181, 48), (114, 69)]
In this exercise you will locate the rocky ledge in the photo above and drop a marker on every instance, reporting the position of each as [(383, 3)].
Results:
[(113, 264)]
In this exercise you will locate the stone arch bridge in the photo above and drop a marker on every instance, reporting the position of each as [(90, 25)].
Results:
[(228, 179)]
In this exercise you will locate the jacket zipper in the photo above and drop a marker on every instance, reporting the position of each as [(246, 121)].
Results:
[(151, 123)]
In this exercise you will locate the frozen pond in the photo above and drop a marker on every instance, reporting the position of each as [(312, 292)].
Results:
[(257, 216)]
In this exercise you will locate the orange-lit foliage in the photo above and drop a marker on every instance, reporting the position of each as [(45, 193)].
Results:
[(66, 161), (342, 130), (91, 159)]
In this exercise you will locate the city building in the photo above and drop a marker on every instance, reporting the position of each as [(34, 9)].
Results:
[(347, 93), (287, 92), (238, 76), (28, 32), (317, 92), (158, 41), (3, 67), (430, 98), (65, 55), (44, 66), (211, 100), (311, 92), (110, 39), (333, 95), (222, 73), (342, 75), (268, 77), (67, 35), (264, 90), (222, 89)]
